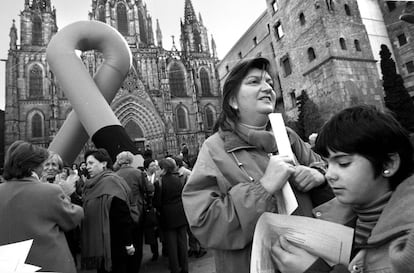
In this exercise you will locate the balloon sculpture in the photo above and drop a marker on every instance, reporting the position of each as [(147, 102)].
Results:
[(91, 115)]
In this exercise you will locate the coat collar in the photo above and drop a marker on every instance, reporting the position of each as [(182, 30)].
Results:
[(233, 142)]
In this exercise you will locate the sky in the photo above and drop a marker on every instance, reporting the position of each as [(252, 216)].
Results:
[(226, 20)]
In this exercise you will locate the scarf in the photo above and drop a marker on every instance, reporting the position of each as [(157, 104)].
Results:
[(264, 140), (96, 239), (368, 217), (257, 136)]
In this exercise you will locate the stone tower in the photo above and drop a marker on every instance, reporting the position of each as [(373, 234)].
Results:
[(34, 106), (169, 97), (322, 47)]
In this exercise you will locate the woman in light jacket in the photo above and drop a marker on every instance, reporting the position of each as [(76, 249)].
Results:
[(30, 209), (236, 177)]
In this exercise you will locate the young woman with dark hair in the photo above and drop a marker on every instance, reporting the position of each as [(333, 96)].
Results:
[(370, 169)]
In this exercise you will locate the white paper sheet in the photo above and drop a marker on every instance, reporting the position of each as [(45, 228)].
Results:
[(13, 257), (288, 204), (329, 241)]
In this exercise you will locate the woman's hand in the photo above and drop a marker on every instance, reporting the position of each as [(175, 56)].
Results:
[(279, 169), (130, 250), (289, 258), (306, 178)]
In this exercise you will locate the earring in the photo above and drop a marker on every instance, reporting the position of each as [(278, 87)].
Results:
[(386, 171)]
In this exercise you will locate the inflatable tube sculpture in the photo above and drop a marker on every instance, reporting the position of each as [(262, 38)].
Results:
[(91, 115)]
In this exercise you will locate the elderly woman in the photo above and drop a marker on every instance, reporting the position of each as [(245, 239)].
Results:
[(167, 199), (236, 176), (107, 228), (54, 172), (30, 209)]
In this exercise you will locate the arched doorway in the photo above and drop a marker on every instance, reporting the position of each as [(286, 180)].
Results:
[(134, 131)]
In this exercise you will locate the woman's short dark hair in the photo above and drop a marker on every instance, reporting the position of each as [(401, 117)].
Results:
[(22, 158), (232, 85), (101, 155), (167, 164), (371, 133)]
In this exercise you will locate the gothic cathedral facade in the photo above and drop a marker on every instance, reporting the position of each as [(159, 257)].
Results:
[(169, 97)]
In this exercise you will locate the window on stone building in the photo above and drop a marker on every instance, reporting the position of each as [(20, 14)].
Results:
[(391, 5), (347, 10), (254, 40), (357, 45), (311, 54), (240, 55), (37, 31), (210, 117), (101, 13), (286, 65), (273, 4), (302, 19), (177, 81), (402, 40), (122, 19), (35, 81), (278, 30), (227, 69), (293, 99), (182, 118), (342, 43), (410, 66), (205, 82), (37, 125)]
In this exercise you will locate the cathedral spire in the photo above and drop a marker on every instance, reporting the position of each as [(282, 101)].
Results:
[(189, 14), (159, 35), (13, 36), (213, 47), (200, 18)]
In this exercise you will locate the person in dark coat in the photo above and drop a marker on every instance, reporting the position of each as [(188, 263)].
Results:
[(138, 183), (107, 227), (151, 216), (167, 198)]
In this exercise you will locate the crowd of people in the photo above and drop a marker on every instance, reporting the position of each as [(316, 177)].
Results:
[(358, 172), (96, 216)]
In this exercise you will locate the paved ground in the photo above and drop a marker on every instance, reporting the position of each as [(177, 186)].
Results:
[(204, 264)]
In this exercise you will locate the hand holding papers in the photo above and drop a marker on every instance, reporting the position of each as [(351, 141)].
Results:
[(330, 241), (288, 203)]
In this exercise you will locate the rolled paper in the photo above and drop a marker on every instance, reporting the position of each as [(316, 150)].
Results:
[(89, 97)]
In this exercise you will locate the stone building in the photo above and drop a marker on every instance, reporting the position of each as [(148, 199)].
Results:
[(317, 46), (401, 35), (170, 97)]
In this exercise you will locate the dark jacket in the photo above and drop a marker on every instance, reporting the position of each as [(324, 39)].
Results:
[(167, 199), (137, 181)]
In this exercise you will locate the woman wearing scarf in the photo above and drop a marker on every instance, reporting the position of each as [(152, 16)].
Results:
[(31, 209), (236, 174), (107, 227)]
